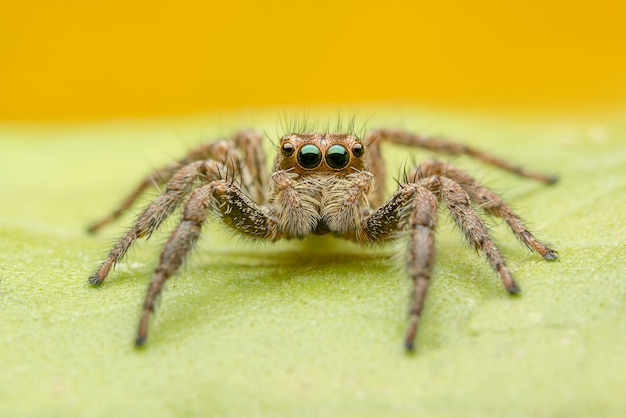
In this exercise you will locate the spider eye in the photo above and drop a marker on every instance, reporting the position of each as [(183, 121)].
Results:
[(358, 149), (337, 156), (309, 156), (287, 149)]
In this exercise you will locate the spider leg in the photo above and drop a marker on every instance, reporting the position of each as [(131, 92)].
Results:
[(374, 138), (225, 151), (229, 203), (474, 229), (178, 187), (413, 207), (422, 222), (487, 200), (157, 177)]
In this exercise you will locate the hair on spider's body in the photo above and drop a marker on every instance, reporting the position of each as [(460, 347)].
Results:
[(321, 183)]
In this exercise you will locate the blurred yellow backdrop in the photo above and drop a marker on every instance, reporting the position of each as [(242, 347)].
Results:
[(93, 59)]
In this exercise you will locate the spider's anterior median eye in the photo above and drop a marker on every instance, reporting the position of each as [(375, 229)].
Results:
[(287, 149), (337, 156), (309, 156), (358, 149)]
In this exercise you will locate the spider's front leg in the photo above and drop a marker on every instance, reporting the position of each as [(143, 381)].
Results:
[(153, 215), (229, 203), (413, 207)]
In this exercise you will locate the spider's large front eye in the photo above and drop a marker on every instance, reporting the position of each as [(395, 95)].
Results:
[(287, 149), (337, 156), (309, 156)]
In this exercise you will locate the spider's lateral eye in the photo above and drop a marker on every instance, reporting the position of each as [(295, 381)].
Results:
[(337, 156), (309, 156), (358, 149), (287, 149)]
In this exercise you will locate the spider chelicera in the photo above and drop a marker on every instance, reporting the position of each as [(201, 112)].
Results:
[(321, 183)]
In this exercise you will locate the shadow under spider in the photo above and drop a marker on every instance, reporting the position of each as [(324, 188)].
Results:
[(250, 281)]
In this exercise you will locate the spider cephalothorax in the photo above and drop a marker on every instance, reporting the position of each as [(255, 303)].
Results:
[(321, 183)]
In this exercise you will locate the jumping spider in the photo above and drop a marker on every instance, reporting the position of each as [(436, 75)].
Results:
[(321, 183)]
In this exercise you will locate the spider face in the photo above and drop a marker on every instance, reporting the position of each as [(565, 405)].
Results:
[(320, 153)]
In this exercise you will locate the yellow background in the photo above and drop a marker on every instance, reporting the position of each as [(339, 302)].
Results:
[(84, 59)]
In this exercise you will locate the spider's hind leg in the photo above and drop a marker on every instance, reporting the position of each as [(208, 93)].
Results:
[(157, 177), (227, 151), (445, 146)]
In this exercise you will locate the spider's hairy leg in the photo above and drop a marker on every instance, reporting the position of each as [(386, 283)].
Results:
[(445, 146), (474, 229), (222, 150), (157, 177), (177, 189), (422, 222), (413, 207), (228, 202), (487, 200)]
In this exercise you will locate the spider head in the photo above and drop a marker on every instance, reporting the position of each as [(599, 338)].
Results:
[(320, 153)]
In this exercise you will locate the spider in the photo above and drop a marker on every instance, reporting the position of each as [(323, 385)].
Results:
[(321, 183)]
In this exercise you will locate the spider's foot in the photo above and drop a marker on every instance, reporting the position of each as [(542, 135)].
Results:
[(142, 332), (551, 255), (96, 226), (552, 179), (513, 289), (411, 333), (95, 280), (99, 275), (140, 341)]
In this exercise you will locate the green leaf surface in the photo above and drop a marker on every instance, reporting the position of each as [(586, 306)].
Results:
[(312, 328)]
